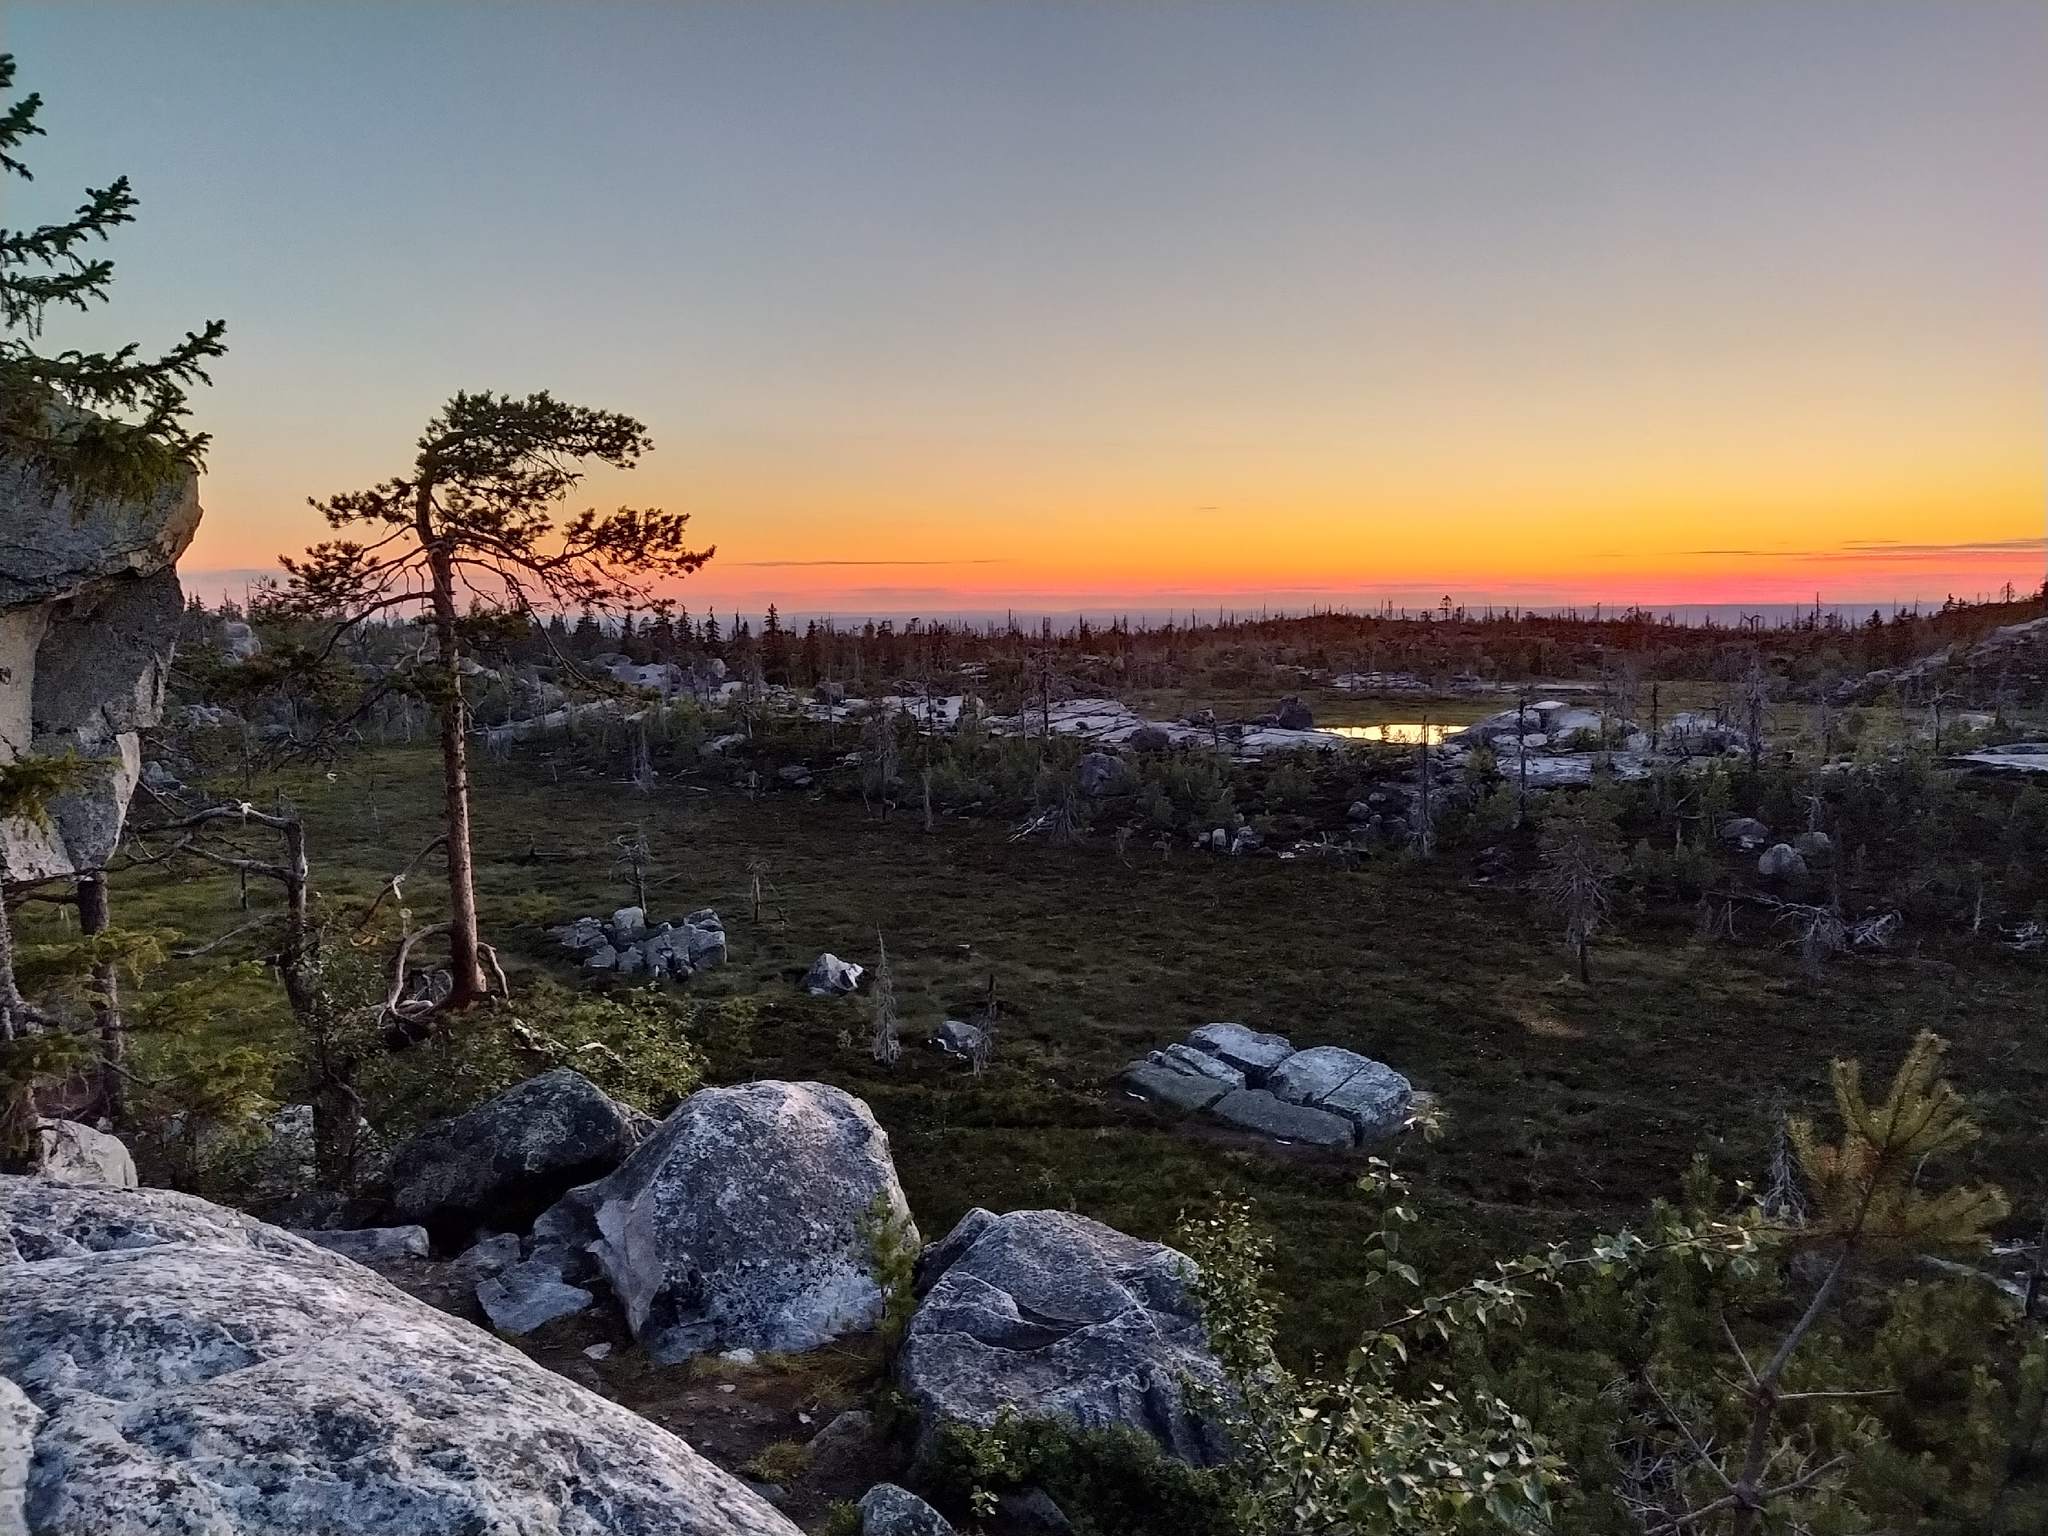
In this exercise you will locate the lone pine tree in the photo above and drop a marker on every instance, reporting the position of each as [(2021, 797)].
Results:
[(475, 516)]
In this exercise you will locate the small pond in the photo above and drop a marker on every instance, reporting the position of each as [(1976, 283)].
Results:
[(1405, 733)]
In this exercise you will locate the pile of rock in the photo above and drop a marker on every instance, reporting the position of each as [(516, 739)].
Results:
[(1324, 1096), (626, 944)]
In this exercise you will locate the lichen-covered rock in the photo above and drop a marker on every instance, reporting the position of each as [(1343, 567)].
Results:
[(740, 1223), (1061, 1317), (72, 1153), (512, 1156), (198, 1373), (89, 611), (886, 1510)]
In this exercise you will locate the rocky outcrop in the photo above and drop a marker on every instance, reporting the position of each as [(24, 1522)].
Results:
[(511, 1157), (89, 611), (1060, 1317), (1324, 1096), (189, 1371), (626, 943), (743, 1221), (71, 1153)]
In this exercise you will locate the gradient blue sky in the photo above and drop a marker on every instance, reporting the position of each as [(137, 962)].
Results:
[(1093, 303)]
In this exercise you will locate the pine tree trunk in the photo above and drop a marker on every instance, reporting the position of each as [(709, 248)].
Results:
[(93, 918), (465, 963)]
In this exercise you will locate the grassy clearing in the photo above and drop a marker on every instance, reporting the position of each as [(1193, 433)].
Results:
[(1568, 1106)]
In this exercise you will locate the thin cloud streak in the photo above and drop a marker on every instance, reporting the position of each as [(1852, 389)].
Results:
[(836, 564)]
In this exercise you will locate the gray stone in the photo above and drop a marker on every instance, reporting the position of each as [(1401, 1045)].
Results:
[(1745, 832), (583, 935), (628, 923), (1814, 845), (71, 1153), (846, 1450), (1376, 1101), (830, 976), (601, 958), (1098, 774), (1254, 1109), (1781, 861), (1370, 1094), (527, 1295), (198, 1373), (372, 1245), (740, 1222), (1185, 1091), (886, 1510), (489, 1256), (1185, 1058), (1034, 1509), (89, 615), (704, 943), (1252, 1053), (1061, 1317), (511, 1156)]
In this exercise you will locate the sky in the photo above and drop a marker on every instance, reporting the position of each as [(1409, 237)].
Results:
[(932, 307)]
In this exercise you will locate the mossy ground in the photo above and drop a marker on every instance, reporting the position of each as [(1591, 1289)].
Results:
[(1568, 1107)]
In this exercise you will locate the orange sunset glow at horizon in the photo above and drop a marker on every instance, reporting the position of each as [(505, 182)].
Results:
[(935, 309)]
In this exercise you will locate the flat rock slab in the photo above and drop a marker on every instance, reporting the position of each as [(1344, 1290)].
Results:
[(1254, 1109), (1251, 1052), (1185, 1058), (1370, 1094), (1184, 1091)]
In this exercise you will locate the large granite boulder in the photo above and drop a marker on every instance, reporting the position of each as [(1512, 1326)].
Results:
[(1061, 1317), (511, 1157), (89, 611), (743, 1221), (183, 1370)]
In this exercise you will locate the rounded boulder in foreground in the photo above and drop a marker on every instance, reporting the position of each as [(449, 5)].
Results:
[(744, 1221)]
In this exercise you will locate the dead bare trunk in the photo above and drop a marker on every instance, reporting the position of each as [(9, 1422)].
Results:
[(93, 918), (465, 963)]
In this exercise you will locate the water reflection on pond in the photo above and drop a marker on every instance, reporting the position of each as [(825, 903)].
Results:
[(1406, 733)]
